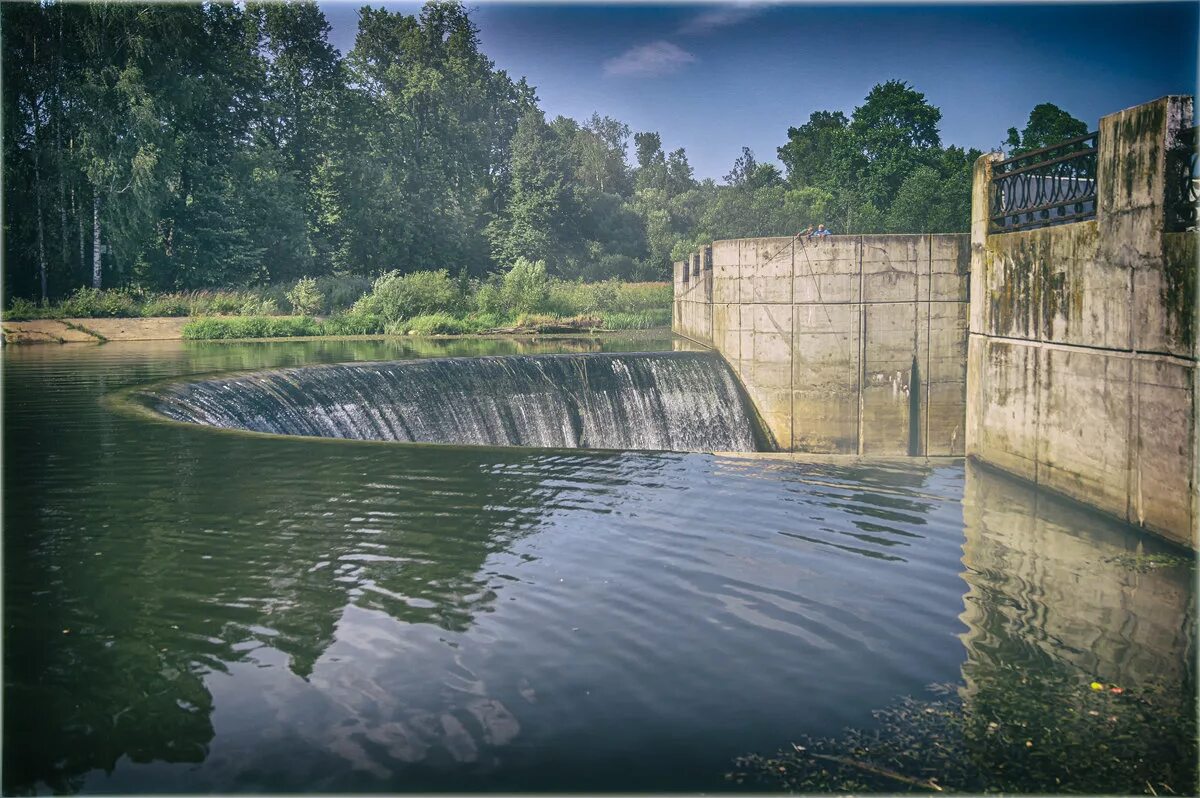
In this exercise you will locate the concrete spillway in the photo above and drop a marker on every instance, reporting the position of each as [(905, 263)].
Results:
[(683, 401)]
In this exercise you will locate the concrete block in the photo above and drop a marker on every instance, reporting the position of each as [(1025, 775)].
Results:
[(768, 277), (891, 265), (726, 326), (1084, 405), (1163, 490), (1181, 295), (890, 338), (949, 269), (726, 271), (774, 407), (1011, 289), (1002, 405), (826, 270), (767, 358), (946, 325), (1164, 299), (943, 411), (1084, 300), (825, 375)]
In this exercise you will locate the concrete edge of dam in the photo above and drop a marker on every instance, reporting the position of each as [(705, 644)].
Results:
[(1064, 354)]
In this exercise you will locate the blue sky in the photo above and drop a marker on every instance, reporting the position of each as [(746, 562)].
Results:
[(714, 77)]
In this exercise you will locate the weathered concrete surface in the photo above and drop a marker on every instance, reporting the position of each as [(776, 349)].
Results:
[(1082, 372), (830, 337)]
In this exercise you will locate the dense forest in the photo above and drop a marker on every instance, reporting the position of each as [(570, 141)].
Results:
[(169, 147)]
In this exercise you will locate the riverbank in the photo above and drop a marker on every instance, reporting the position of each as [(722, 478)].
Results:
[(95, 331), (85, 330)]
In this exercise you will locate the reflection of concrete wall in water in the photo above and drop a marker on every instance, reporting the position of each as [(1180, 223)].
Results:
[(1041, 584), (831, 338), (1083, 345)]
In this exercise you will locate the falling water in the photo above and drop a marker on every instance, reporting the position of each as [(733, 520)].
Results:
[(682, 401)]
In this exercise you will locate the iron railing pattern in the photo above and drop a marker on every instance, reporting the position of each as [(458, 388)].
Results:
[(1183, 184), (1051, 185)]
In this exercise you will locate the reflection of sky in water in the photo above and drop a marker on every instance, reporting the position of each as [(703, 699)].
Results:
[(264, 614)]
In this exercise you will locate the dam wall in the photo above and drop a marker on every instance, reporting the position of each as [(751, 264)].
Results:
[(850, 344), (1082, 373)]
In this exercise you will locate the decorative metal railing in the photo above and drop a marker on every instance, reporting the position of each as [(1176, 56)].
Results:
[(1183, 183), (1053, 185)]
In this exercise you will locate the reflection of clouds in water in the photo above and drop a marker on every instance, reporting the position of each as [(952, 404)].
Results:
[(375, 678)]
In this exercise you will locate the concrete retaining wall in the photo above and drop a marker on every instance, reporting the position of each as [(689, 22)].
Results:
[(830, 337), (1083, 346)]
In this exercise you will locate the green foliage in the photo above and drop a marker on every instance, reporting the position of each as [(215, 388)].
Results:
[(431, 324), (1047, 124), (341, 291), (210, 328), (579, 298), (395, 296), (91, 302), (881, 170), (523, 297), (525, 286), (20, 309), (354, 323), (170, 304), (305, 297), (411, 149), (637, 320)]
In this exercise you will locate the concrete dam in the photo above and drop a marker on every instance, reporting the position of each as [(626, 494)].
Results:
[(1057, 341)]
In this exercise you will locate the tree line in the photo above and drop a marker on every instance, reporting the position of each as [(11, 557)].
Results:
[(169, 147)]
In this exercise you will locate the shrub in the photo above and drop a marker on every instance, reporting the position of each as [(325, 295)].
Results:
[(431, 324), (525, 287), (174, 304), (566, 298), (216, 302), (305, 298), (395, 296), (611, 296), (489, 296), (483, 322), (643, 296), (637, 320), (354, 323), (533, 320), (21, 309), (94, 302), (342, 291), (208, 328)]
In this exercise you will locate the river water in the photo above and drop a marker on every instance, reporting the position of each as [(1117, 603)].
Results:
[(193, 609)]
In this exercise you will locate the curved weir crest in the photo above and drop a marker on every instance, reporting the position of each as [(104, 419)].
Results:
[(681, 401)]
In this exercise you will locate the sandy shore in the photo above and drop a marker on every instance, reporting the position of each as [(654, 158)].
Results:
[(69, 331)]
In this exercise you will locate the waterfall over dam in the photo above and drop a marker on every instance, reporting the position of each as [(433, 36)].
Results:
[(680, 401)]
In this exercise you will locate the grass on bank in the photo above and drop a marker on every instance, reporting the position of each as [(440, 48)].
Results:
[(417, 303)]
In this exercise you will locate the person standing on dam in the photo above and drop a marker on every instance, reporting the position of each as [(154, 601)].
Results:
[(820, 232)]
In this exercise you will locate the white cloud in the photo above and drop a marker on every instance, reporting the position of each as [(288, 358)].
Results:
[(647, 60), (721, 17)]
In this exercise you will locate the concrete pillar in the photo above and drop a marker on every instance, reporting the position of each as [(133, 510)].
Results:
[(981, 203)]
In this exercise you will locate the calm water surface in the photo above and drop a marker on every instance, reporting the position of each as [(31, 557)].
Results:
[(197, 610)]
